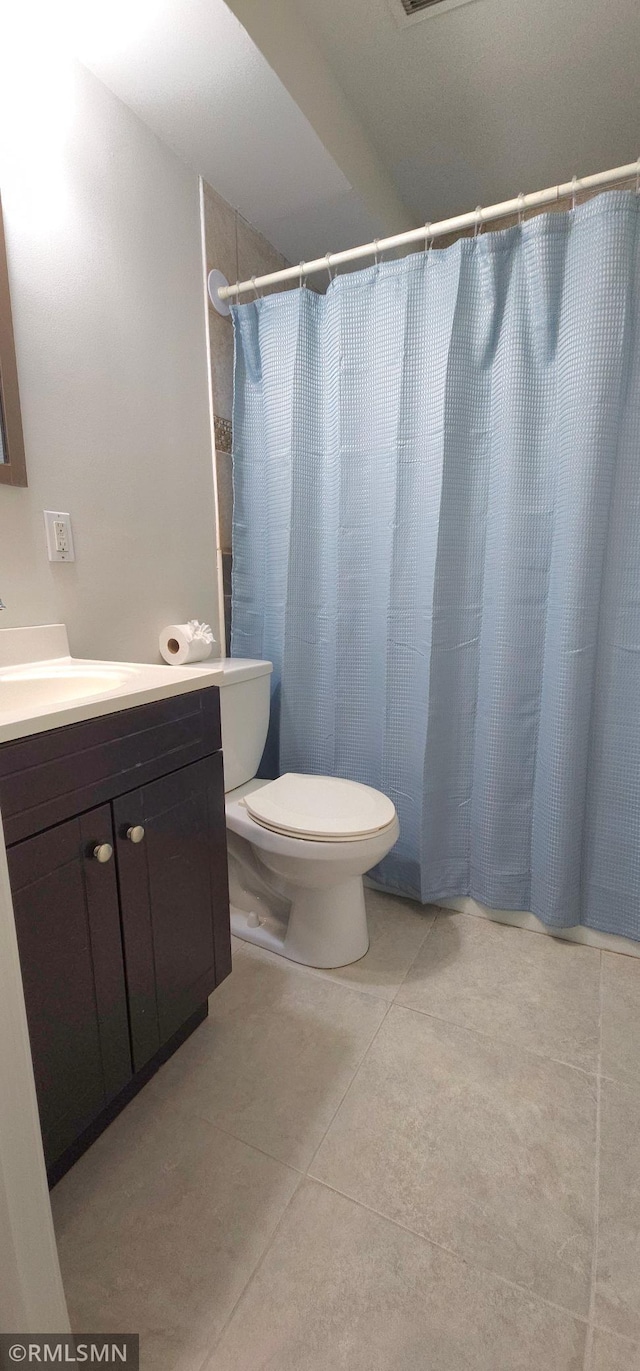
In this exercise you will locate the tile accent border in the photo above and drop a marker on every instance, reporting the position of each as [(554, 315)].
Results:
[(223, 433)]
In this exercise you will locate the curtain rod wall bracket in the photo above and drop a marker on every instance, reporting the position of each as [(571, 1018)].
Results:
[(216, 280)]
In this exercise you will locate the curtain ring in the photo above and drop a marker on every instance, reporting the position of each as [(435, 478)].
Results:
[(255, 288), (427, 235), (301, 267), (521, 200), (574, 183), (376, 255), (326, 258), (478, 227), (638, 177)]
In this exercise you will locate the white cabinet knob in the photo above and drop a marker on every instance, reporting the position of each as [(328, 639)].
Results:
[(135, 834), (103, 852)]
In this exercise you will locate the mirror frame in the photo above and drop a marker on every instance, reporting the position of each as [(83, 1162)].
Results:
[(13, 471)]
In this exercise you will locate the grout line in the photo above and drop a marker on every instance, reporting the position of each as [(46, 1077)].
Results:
[(317, 973), (427, 935), (453, 1252), (253, 1147), (197, 1115), (207, 1362), (163, 1098), (624, 1084), (589, 1348), (497, 1042), (348, 1088), (618, 1337)]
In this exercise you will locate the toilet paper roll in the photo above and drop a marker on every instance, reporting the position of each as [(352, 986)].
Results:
[(181, 644)]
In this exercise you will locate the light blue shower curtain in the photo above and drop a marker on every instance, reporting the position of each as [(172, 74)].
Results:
[(437, 543)]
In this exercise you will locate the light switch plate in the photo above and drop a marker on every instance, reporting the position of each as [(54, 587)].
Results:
[(59, 536)]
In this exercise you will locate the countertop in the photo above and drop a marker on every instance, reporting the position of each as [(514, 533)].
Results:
[(35, 666)]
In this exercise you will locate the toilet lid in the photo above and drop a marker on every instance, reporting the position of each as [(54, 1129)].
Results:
[(320, 807)]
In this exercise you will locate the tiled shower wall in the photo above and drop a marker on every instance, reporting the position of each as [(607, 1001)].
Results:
[(238, 250)]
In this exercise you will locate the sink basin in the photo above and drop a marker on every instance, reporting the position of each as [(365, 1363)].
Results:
[(50, 683)]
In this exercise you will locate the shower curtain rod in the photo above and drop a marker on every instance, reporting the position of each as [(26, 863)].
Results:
[(474, 219)]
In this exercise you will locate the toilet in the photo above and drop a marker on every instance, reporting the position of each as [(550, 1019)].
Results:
[(299, 846)]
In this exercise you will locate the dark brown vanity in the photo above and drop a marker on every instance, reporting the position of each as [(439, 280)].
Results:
[(116, 844)]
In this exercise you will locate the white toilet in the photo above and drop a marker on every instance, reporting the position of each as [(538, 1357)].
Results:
[(299, 846)]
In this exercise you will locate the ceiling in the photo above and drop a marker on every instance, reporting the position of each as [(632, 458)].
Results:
[(328, 122), (190, 70), (474, 104)]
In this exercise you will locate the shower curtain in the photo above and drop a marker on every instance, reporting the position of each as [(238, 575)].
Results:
[(437, 543)]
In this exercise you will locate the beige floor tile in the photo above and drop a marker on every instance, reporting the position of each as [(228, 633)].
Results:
[(618, 1282), (160, 1226), (272, 1062), (533, 992), (341, 1289), (621, 1017), (484, 1149), (611, 1353)]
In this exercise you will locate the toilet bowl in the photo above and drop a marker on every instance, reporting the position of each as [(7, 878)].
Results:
[(299, 846)]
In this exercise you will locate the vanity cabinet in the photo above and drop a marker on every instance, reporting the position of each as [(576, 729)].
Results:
[(116, 846)]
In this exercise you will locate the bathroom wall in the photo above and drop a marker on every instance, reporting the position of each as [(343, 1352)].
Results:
[(239, 251), (105, 262)]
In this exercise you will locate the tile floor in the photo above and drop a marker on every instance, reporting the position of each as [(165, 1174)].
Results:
[(428, 1161)]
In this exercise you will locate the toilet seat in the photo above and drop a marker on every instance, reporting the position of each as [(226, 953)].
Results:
[(320, 808)]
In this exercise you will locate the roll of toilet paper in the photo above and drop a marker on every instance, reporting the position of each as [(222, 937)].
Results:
[(181, 644)]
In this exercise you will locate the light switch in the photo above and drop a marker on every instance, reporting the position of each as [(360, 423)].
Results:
[(59, 536)]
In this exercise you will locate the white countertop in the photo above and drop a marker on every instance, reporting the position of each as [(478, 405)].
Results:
[(44, 687)]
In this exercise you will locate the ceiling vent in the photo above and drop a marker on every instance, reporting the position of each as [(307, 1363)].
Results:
[(415, 6), (407, 10)]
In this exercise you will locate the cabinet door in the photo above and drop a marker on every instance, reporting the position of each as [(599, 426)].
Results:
[(172, 866), (68, 927)]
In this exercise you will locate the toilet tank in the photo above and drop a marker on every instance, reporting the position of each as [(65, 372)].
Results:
[(245, 692)]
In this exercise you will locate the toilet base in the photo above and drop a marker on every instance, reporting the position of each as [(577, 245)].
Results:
[(325, 928)]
